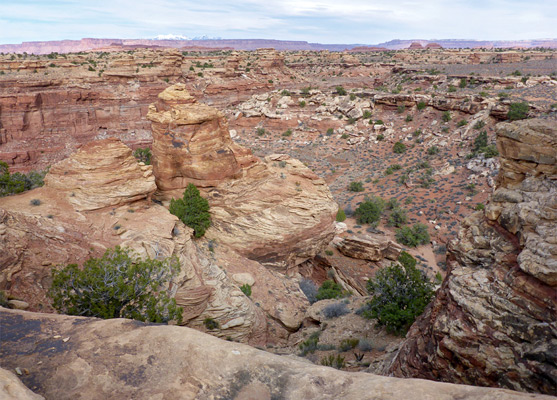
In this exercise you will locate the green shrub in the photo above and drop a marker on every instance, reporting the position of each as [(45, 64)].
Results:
[(446, 117), (287, 133), (392, 168), (246, 289), (330, 290), (462, 83), (400, 109), (518, 111), (330, 132), (399, 147), (369, 211), (310, 344), (333, 361), (401, 293), (356, 186), (380, 137), (451, 89), (17, 182), (348, 344), (340, 91), (409, 118), (461, 123), (193, 210), (35, 202), (481, 146), (479, 125), (335, 310), (367, 114), (117, 285), (397, 217), (413, 236), (302, 103), (433, 150), (143, 155), (260, 131), (211, 324), (479, 207), (341, 215), (420, 105)]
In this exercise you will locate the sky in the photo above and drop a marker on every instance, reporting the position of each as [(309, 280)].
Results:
[(323, 21)]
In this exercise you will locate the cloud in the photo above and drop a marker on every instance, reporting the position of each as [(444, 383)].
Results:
[(326, 21)]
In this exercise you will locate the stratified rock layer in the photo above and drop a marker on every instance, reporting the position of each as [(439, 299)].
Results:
[(493, 321), (275, 211), (367, 247), (191, 142), (71, 357), (100, 174)]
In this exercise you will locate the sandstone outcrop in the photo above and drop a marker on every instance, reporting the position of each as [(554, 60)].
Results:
[(367, 247), (101, 174), (274, 211), (191, 142), (71, 357), (492, 322), (64, 229), (11, 387)]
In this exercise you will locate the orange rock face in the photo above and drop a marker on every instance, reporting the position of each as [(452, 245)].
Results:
[(191, 142)]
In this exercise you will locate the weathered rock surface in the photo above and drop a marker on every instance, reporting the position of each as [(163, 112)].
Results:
[(275, 211), (71, 357), (11, 387), (191, 142), (58, 232), (279, 214), (493, 321), (367, 247), (101, 174)]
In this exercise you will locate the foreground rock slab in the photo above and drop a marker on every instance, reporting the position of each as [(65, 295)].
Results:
[(74, 357)]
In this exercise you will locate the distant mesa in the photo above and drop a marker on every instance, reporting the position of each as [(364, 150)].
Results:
[(433, 46), (363, 49), (416, 46)]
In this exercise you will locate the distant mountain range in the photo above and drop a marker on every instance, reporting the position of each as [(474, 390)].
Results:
[(182, 42)]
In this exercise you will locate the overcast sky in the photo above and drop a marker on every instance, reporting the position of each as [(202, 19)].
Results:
[(323, 21)]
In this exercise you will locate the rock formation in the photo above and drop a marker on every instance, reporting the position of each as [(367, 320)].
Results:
[(368, 248), (71, 357), (275, 211), (11, 387), (96, 199), (191, 142), (492, 322), (88, 177)]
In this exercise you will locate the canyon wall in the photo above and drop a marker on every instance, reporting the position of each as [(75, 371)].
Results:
[(493, 322)]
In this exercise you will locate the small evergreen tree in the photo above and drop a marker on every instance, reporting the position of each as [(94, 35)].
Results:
[(193, 210), (369, 211), (400, 292), (117, 285)]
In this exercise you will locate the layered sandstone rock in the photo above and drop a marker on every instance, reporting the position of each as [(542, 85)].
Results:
[(493, 321), (279, 214), (116, 359), (275, 211), (101, 174), (66, 229), (367, 247), (191, 142)]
